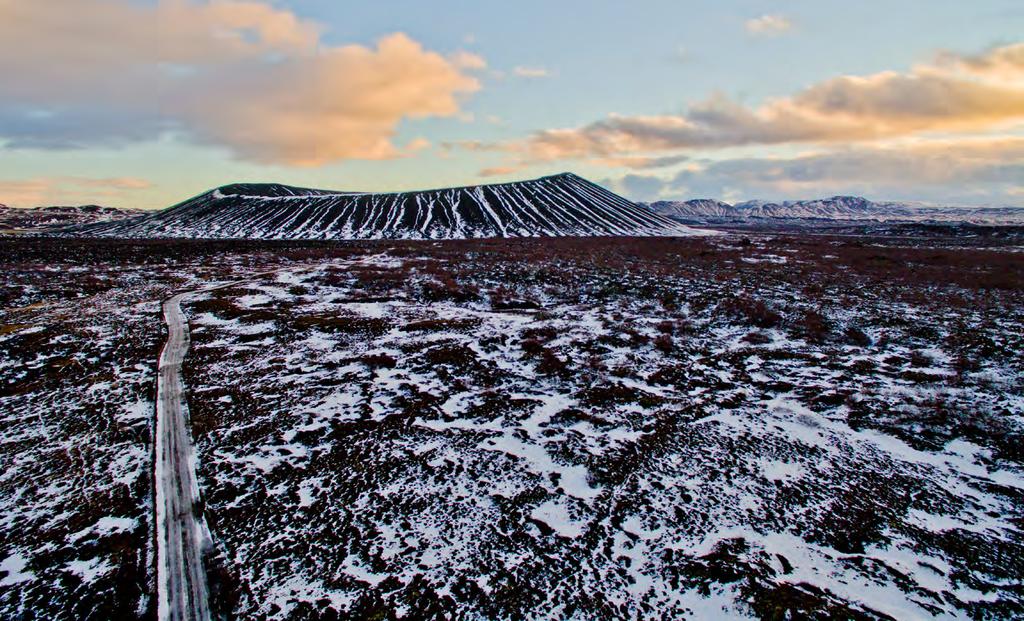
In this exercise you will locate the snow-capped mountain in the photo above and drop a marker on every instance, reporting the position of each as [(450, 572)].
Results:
[(60, 216), (695, 207), (837, 208), (559, 205)]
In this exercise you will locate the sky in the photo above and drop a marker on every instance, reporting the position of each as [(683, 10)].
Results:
[(144, 103)]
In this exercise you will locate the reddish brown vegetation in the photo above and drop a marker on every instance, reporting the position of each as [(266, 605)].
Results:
[(753, 312), (813, 326), (379, 361), (438, 325), (504, 298), (856, 336), (445, 289)]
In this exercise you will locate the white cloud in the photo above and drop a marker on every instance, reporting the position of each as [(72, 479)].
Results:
[(531, 72), (768, 25)]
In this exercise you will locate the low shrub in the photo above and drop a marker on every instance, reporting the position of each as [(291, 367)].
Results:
[(551, 364), (445, 289), (379, 361), (757, 338), (503, 299), (752, 311), (814, 326), (532, 347), (439, 325), (856, 336)]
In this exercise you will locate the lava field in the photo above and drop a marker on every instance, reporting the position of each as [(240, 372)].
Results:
[(734, 426)]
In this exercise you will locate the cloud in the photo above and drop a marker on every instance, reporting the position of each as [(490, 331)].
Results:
[(1001, 63), (640, 162), (68, 190), (345, 103), (468, 60), (240, 74), (641, 187), (499, 171), (952, 94), (931, 163), (973, 171), (113, 183), (531, 72), (768, 25), (682, 54)]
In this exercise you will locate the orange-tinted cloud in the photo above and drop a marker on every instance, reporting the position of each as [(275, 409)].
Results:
[(64, 47), (499, 171), (952, 94), (343, 103), (968, 170), (241, 74), (639, 161), (67, 190)]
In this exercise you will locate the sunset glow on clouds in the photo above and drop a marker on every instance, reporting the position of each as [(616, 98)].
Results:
[(243, 75), (974, 164), (69, 190), (956, 94), (183, 94)]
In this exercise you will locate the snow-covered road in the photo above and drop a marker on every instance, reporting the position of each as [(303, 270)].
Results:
[(182, 534), (183, 537)]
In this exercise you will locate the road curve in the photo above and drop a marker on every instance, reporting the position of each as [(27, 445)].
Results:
[(182, 534)]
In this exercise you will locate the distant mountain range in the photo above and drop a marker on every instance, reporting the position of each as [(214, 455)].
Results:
[(835, 208), (46, 218), (559, 205)]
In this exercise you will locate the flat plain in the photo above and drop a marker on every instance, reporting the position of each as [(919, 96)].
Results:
[(743, 425)]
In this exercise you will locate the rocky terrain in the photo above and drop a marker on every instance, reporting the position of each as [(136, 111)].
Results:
[(702, 437), (556, 206), (51, 218), (79, 334), (760, 426)]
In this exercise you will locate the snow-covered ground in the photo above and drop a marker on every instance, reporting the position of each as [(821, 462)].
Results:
[(700, 427), (80, 332), (508, 437), (76, 401)]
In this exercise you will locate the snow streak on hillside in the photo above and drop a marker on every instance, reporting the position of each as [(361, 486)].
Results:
[(560, 205), (838, 208), (44, 218)]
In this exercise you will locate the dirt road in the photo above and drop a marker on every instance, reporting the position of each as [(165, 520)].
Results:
[(182, 534)]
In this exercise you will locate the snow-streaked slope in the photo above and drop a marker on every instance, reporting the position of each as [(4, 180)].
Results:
[(839, 208), (694, 207), (60, 216), (559, 205)]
